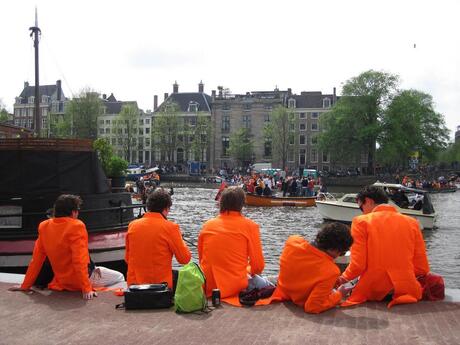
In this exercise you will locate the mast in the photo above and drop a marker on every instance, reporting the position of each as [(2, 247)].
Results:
[(35, 32)]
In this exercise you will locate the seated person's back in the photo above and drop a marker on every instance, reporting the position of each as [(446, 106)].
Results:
[(152, 241)]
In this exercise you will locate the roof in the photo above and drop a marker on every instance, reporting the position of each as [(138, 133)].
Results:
[(183, 99), (43, 90), (311, 99), (399, 186), (114, 107)]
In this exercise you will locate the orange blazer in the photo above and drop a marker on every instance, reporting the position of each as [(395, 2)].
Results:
[(307, 277), (387, 254), (151, 243), (227, 244), (64, 240)]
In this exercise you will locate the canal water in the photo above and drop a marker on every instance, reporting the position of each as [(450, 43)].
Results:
[(192, 206)]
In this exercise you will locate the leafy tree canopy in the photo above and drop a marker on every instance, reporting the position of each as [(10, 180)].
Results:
[(82, 112), (241, 146)]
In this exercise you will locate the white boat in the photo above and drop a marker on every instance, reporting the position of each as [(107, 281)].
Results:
[(346, 208)]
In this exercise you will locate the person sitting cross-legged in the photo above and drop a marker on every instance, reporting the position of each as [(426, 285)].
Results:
[(152, 241)]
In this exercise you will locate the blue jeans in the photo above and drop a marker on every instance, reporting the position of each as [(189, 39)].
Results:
[(258, 282)]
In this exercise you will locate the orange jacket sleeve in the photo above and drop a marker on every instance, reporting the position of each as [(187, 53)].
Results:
[(256, 256), (126, 247), (358, 260), (322, 297), (178, 246), (421, 265), (35, 265), (80, 256)]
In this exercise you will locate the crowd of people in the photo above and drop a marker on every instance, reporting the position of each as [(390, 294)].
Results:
[(387, 254)]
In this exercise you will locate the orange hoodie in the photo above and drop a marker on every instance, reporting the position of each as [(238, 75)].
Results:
[(150, 244), (64, 240), (307, 277), (227, 244), (388, 252)]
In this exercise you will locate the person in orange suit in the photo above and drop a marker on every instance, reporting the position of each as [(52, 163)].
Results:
[(63, 239), (387, 254), (152, 241), (308, 271), (229, 248)]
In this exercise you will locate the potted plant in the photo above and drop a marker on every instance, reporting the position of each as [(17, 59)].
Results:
[(114, 167)]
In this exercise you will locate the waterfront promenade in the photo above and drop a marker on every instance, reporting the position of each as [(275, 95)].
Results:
[(47, 317)]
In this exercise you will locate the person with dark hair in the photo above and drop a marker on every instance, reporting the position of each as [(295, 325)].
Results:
[(229, 248), (387, 254), (308, 271), (63, 240), (152, 241)]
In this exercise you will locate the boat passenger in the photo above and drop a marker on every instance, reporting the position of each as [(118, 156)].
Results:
[(63, 239), (229, 248), (308, 271), (152, 241), (387, 254), (267, 191)]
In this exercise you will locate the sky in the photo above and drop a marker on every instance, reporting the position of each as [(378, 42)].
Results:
[(137, 49)]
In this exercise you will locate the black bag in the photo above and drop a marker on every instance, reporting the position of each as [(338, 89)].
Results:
[(147, 296)]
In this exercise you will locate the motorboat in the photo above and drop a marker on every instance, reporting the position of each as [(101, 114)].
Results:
[(34, 172), (261, 200), (417, 205)]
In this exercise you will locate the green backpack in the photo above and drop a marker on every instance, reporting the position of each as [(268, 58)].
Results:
[(190, 296)]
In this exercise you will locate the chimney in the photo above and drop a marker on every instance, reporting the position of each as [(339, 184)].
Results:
[(166, 96), (59, 90), (26, 84), (334, 97), (175, 87), (155, 102), (213, 95), (104, 96), (289, 92), (201, 87)]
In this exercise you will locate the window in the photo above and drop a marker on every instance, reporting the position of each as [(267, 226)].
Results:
[(302, 115), (314, 126), (268, 106), (314, 115), (326, 103), (246, 121), (147, 121), (193, 107), (31, 99), (301, 126), (101, 130), (225, 145), (107, 122), (120, 141), (247, 106), (267, 148), (101, 122), (267, 118), (114, 141), (147, 130), (291, 103), (141, 131), (147, 142), (290, 156), (302, 139), (226, 123), (134, 142), (107, 130), (291, 139), (141, 122), (314, 140), (192, 121), (325, 157), (313, 155), (302, 157), (126, 130)]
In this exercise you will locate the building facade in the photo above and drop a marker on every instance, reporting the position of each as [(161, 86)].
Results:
[(457, 135), (193, 125), (52, 103), (131, 142)]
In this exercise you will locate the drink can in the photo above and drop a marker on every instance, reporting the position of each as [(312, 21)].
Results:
[(215, 297)]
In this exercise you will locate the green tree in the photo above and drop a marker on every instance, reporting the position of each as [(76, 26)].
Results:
[(166, 129), (281, 132), (241, 146), (3, 112), (200, 135), (82, 113), (354, 123), (127, 122), (411, 124), (105, 152)]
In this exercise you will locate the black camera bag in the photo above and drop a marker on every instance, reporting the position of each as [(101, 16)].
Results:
[(147, 296)]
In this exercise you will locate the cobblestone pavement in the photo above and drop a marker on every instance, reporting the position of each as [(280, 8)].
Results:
[(47, 317)]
